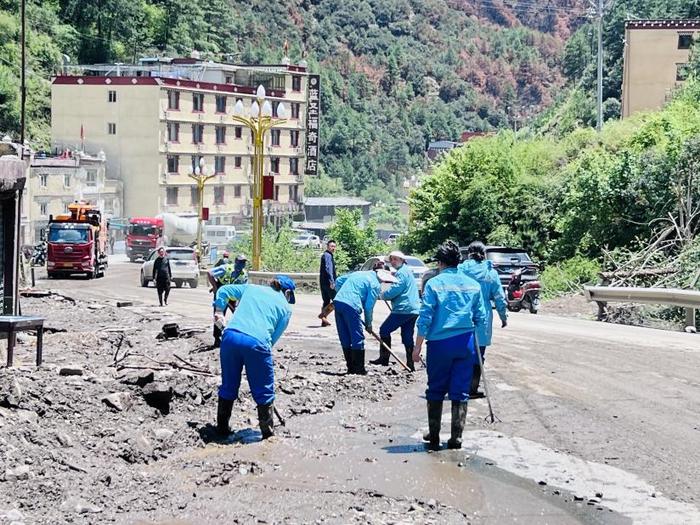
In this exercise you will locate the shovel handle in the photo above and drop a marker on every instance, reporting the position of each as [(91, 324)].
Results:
[(383, 345)]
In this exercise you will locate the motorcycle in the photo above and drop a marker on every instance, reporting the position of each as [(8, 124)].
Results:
[(39, 254), (521, 295)]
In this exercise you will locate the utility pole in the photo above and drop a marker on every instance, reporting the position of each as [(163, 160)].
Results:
[(599, 7), (23, 76)]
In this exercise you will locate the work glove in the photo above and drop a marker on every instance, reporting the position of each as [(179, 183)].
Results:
[(504, 323)]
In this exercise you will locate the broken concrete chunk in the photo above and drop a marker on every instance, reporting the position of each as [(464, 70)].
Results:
[(20, 473), (10, 391), (118, 401), (79, 506), (70, 371), (163, 434), (138, 377)]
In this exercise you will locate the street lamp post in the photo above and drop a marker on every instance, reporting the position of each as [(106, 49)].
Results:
[(259, 120), (200, 177)]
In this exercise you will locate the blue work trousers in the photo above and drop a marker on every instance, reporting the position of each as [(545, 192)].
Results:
[(450, 364), (350, 327), (407, 324), (239, 350)]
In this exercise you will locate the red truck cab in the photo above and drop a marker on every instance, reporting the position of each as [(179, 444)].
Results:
[(142, 236)]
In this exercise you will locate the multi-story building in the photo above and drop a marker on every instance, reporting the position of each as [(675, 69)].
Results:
[(56, 181), (157, 119), (655, 61)]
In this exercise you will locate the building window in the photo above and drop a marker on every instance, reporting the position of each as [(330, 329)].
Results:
[(685, 41), (237, 192), (171, 196), (682, 72), (174, 100), (238, 132), (173, 164), (295, 110), (229, 79), (43, 208), (112, 96), (221, 103), (296, 83), (294, 138), (194, 195), (277, 192), (221, 134), (197, 133), (197, 101), (275, 165), (275, 107), (111, 128), (91, 179), (291, 193), (218, 194), (173, 132), (195, 161), (294, 166), (219, 164), (237, 162), (66, 180), (276, 134), (43, 180)]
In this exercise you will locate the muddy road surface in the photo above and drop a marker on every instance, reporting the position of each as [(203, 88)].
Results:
[(599, 424)]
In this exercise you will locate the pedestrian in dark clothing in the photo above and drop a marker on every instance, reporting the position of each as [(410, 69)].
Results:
[(326, 279), (162, 275)]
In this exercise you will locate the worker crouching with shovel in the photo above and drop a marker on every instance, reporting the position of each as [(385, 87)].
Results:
[(259, 321), (452, 309)]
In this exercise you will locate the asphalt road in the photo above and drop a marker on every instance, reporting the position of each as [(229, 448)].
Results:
[(609, 414)]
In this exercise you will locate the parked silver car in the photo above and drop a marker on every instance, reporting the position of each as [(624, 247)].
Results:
[(183, 264)]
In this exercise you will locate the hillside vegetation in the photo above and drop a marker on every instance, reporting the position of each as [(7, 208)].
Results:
[(396, 73)]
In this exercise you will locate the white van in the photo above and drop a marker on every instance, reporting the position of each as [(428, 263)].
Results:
[(219, 235)]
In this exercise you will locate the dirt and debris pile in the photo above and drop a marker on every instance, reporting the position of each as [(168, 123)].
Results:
[(88, 430)]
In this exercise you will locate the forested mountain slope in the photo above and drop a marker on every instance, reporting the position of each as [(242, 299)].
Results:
[(396, 73)]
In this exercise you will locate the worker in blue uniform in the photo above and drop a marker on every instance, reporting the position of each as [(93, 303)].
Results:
[(223, 274), (261, 317), (452, 309), (405, 304), (481, 270), (357, 293)]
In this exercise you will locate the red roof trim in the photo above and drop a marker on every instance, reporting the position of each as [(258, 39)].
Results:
[(153, 81), (663, 24), (105, 81)]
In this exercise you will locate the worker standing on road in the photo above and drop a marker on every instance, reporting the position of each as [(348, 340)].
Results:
[(326, 279), (357, 293), (162, 275), (262, 316), (223, 260), (405, 305), (481, 270), (222, 275), (452, 309)]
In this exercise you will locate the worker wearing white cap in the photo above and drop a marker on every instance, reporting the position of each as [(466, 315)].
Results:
[(405, 305)]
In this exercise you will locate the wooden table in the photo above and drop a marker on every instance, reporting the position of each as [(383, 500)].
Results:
[(11, 324)]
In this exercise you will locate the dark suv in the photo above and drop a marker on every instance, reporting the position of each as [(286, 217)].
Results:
[(505, 262)]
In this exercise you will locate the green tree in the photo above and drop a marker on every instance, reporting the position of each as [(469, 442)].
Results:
[(356, 243)]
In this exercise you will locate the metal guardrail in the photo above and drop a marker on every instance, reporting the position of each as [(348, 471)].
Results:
[(299, 278), (688, 299)]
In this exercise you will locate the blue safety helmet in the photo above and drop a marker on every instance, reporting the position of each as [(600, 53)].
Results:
[(288, 287)]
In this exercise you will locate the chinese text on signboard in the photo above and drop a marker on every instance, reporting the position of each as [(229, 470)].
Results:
[(312, 118)]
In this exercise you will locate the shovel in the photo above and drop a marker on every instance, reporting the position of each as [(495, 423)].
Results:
[(491, 418), (383, 345)]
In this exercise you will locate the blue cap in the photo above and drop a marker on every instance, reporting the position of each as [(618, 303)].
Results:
[(288, 287)]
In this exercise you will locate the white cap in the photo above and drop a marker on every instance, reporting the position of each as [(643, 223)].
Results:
[(398, 254)]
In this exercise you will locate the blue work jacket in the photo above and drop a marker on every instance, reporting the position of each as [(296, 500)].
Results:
[(452, 305), (403, 294), (359, 290), (491, 292), (262, 312)]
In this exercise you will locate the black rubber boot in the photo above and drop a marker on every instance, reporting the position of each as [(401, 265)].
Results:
[(223, 414), (348, 359), (459, 416), (434, 420), (267, 424), (409, 360), (358, 363), (474, 387), (383, 359)]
